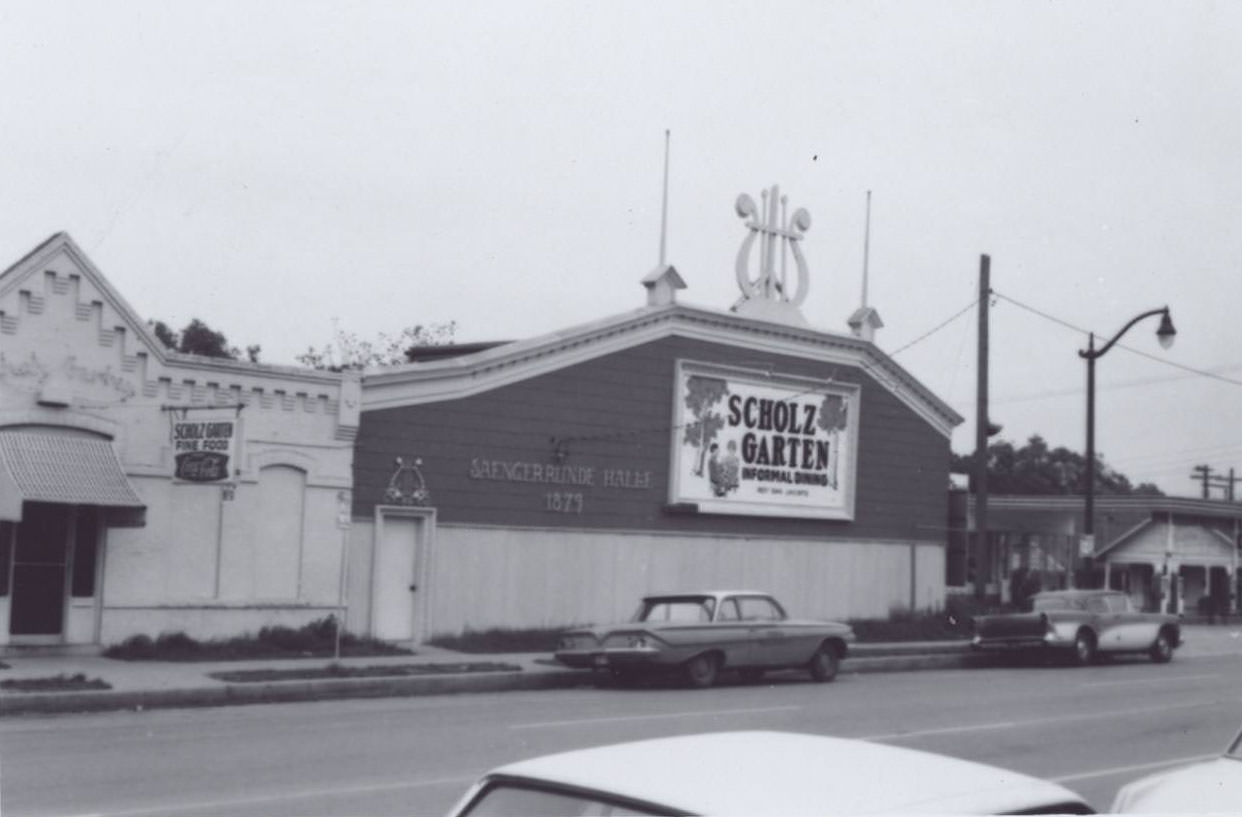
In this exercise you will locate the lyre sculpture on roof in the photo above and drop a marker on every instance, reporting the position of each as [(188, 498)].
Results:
[(771, 225)]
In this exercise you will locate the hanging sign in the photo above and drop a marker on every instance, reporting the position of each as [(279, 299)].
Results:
[(204, 445), (763, 445)]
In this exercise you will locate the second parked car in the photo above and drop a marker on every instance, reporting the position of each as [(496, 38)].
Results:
[(1081, 624), (700, 634)]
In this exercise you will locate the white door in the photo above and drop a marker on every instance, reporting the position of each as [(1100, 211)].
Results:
[(396, 562)]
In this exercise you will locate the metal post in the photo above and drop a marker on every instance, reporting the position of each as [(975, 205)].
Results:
[(981, 429)]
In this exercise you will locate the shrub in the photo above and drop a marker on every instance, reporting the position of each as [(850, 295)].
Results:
[(318, 638), (501, 640), (907, 625)]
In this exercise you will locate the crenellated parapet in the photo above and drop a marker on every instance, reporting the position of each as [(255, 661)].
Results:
[(79, 344)]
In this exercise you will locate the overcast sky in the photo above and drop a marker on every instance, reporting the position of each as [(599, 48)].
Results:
[(275, 167)]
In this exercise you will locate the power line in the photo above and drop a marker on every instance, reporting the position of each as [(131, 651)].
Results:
[(1149, 356), (936, 328)]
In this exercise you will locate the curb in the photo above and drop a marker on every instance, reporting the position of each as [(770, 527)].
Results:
[(339, 688)]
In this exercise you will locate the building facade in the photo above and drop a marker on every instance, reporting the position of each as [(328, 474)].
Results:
[(146, 491), (557, 479)]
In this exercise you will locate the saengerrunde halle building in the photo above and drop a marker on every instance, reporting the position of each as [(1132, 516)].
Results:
[(556, 479)]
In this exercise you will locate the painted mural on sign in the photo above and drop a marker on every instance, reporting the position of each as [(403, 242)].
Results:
[(747, 443)]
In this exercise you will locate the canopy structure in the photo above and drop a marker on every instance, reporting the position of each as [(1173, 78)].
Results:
[(70, 470)]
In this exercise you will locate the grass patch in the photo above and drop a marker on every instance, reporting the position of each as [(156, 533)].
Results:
[(908, 626), (54, 683), (375, 671), (899, 626), (315, 640), (502, 640)]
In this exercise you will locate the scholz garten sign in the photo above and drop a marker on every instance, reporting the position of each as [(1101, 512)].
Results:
[(752, 444), (204, 449)]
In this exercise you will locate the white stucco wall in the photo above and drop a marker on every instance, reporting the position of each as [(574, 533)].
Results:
[(479, 577), (203, 563)]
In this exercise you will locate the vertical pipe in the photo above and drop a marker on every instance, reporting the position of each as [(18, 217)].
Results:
[(981, 429)]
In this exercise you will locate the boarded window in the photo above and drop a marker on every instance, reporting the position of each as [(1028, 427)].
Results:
[(277, 542)]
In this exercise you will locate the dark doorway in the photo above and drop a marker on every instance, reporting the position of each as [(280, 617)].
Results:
[(39, 564)]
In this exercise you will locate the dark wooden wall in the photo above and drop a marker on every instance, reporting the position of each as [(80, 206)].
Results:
[(616, 413)]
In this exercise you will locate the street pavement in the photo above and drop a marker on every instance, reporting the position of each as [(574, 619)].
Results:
[(1092, 729), (161, 684)]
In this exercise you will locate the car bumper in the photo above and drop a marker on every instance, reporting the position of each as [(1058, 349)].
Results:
[(1025, 642), (623, 657)]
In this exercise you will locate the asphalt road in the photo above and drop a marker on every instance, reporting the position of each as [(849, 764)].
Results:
[(1092, 729)]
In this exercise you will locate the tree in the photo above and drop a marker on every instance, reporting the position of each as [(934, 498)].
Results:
[(1036, 469), (197, 338), (701, 394), (349, 351)]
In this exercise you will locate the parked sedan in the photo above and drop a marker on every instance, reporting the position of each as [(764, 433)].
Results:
[(1212, 787), (700, 634), (758, 773), (1081, 624)]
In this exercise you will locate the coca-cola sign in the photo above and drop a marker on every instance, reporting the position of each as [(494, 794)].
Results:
[(204, 450)]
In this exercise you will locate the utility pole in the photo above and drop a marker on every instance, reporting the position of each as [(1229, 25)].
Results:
[(1205, 477), (1225, 482), (981, 430)]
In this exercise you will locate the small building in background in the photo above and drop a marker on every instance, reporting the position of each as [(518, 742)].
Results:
[(144, 491), (1171, 554)]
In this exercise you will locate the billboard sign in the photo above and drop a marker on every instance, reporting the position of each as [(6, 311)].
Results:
[(750, 443)]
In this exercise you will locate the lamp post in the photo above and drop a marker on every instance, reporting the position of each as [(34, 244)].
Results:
[(1165, 334)]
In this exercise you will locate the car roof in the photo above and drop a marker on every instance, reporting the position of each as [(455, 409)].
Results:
[(714, 593), (758, 773)]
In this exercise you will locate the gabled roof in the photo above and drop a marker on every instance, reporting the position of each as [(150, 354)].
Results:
[(458, 377), (26, 276)]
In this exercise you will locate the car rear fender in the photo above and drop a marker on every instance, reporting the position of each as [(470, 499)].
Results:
[(837, 645)]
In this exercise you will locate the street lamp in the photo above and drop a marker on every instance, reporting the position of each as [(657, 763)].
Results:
[(1165, 334)]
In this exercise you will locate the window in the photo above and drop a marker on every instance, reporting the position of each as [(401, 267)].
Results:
[(1118, 603), (758, 608), (728, 611), (689, 610)]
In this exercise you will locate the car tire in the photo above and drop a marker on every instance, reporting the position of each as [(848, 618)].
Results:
[(700, 671), (1161, 649), (751, 675), (624, 678), (824, 664), (1084, 648)]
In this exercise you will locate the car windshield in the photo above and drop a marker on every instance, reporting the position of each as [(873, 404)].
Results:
[(1044, 603), (503, 799), (1235, 751), (689, 609)]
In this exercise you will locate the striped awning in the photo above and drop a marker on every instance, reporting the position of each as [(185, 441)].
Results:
[(70, 470)]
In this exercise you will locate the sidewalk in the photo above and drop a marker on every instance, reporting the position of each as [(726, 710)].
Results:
[(152, 684)]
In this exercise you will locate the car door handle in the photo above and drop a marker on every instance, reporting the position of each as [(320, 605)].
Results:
[(413, 588)]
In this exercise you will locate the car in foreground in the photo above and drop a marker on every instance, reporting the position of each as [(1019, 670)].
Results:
[(758, 773), (700, 634), (1081, 624), (1210, 787)]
